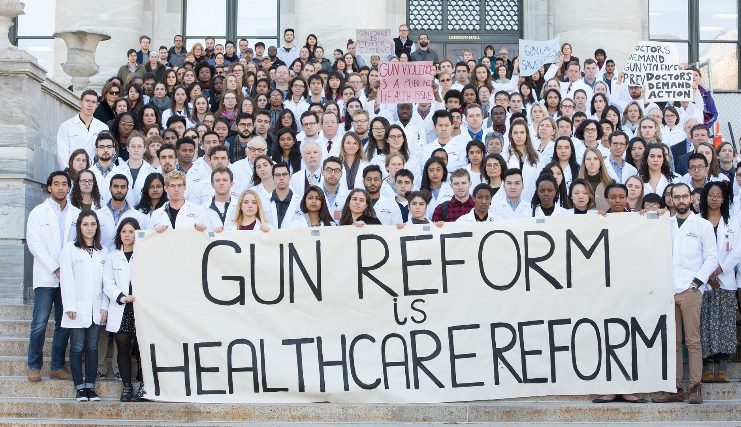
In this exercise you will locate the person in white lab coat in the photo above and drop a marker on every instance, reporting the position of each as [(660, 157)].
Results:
[(248, 213), (81, 130), (511, 206), (136, 169), (694, 259), (718, 315), (50, 225), (85, 306), (386, 209), (118, 288), (178, 213), (118, 208), (545, 199), (482, 204), (285, 205)]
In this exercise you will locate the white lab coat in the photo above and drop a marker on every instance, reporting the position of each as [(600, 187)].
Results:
[(501, 210), (293, 218), (388, 211), (694, 251), (135, 188), (558, 210), (45, 242), (108, 226), (628, 171), (660, 186), (455, 148), (529, 174), (728, 238), (116, 278), (358, 177), (445, 194), (299, 178), (104, 182), (73, 134), (471, 217), (190, 214), (81, 284)]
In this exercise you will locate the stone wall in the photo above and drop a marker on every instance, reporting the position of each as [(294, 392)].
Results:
[(33, 109)]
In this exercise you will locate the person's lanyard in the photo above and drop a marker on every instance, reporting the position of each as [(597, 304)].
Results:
[(213, 206)]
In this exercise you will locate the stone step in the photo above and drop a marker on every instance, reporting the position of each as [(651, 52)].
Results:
[(18, 386), (25, 422), (21, 328), (16, 312), (13, 346), (475, 412)]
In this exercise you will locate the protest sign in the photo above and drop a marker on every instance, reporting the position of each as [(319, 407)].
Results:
[(668, 86), (535, 53), (653, 57), (404, 82), (374, 42), (569, 305)]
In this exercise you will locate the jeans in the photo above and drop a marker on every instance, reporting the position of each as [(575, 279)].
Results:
[(84, 339), (43, 300)]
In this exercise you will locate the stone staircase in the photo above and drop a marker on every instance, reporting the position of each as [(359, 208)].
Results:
[(50, 402)]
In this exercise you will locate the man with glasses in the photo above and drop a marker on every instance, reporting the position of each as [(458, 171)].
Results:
[(310, 125), (567, 107), (243, 169), (360, 121), (104, 168), (81, 130), (333, 191), (694, 259), (176, 54), (285, 206), (620, 170), (504, 56), (697, 176), (403, 43)]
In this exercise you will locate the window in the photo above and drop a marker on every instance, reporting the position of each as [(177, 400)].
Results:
[(706, 33), (33, 32), (254, 20)]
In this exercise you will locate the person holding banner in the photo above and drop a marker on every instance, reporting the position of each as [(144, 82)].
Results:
[(117, 287), (544, 202), (314, 207), (358, 210), (694, 259), (718, 314), (86, 308), (250, 214), (511, 206), (581, 198), (178, 213)]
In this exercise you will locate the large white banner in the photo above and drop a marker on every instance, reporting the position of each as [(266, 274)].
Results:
[(569, 305), (536, 53)]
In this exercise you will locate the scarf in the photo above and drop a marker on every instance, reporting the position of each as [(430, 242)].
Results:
[(161, 104)]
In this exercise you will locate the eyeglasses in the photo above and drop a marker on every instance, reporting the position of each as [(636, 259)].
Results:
[(106, 147), (87, 181), (396, 137), (256, 150), (361, 121), (127, 125), (715, 196), (444, 80), (282, 175), (494, 166), (153, 187), (681, 197), (696, 167), (333, 170), (309, 124), (113, 92)]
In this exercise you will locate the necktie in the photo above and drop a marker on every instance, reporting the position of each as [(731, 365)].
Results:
[(329, 145), (569, 89)]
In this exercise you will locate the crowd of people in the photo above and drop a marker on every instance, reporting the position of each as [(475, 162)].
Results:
[(228, 138)]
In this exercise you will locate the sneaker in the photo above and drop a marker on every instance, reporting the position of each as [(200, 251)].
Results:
[(117, 375), (34, 375), (92, 395), (99, 375), (60, 374), (696, 394), (139, 396), (708, 377), (82, 395), (666, 397), (722, 377)]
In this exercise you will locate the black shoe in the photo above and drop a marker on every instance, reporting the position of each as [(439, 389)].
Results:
[(82, 395), (92, 395), (127, 392), (139, 396)]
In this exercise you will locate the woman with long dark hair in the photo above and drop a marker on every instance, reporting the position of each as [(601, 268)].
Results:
[(654, 170), (287, 150), (79, 160), (314, 207), (85, 193), (81, 283), (358, 209), (153, 194)]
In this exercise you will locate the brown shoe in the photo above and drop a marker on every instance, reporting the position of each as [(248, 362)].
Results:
[(708, 377), (60, 374), (666, 397), (696, 394), (34, 375), (722, 377)]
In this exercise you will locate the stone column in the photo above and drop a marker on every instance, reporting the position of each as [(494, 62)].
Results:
[(80, 63), (9, 9), (33, 108)]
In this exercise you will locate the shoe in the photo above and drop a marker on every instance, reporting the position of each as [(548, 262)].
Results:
[(708, 377), (82, 395), (34, 375), (721, 377), (139, 396), (60, 374), (92, 395), (695, 394), (127, 392), (666, 397), (99, 375), (117, 375)]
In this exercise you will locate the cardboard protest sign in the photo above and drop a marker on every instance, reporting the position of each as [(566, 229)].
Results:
[(649, 56), (535, 53), (424, 314), (669, 86), (374, 42), (404, 82)]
